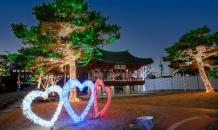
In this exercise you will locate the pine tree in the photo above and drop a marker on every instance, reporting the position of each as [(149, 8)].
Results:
[(66, 32), (3, 71), (199, 49)]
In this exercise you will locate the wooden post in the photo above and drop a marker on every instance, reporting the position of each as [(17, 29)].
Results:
[(99, 74), (129, 75), (126, 74), (112, 74), (89, 75), (137, 75), (93, 75)]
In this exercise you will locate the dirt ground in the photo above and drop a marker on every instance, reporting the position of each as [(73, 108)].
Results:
[(122, 111)]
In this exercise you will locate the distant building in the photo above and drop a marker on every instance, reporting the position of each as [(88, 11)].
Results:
[(25, 75)]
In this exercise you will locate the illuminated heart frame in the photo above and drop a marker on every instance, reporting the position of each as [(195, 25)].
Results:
[(63, 94), (75, 83), (26, 105), (105, 89)]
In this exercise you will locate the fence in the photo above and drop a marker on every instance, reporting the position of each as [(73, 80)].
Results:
[(175, 83)]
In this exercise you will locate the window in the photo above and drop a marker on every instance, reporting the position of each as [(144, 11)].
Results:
[(26, 70), (26, 75), (27, 82), (14, 70), (22, 70), (21, 75), (31, 70), (30, 75), (67, 76), (18, 70)]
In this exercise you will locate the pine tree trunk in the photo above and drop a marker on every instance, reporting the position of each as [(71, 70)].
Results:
[(204, 77), (39, 81), (72, 97)]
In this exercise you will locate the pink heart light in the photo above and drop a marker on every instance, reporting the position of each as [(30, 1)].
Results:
[(105, 89)]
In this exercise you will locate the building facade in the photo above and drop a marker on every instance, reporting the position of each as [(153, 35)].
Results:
[(115, 68)]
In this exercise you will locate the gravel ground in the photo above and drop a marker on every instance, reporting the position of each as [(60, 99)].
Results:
[(116, 116), (190, 100), (122, 111)]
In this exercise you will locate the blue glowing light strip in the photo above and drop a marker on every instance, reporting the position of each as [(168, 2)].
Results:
[(66, 89)]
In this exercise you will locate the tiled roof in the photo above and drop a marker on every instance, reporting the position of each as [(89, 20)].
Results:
[(119, 57)]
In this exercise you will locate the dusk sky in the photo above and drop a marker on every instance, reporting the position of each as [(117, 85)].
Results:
[(148, 26)]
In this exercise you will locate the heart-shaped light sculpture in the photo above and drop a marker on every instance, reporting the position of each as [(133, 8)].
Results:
[(75, 83), (105, 89), (26, 105)]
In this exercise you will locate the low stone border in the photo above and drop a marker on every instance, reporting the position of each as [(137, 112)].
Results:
[(213, 126)]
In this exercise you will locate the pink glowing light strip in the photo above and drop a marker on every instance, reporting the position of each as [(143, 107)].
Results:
[(105, 89)]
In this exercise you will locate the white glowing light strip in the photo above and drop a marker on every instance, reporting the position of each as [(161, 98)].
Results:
[(67, 52), (75, 83), (201, 65), (105, 89), (26, 105), (198, 55)]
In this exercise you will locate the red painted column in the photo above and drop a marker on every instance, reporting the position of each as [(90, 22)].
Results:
[(126, 74)]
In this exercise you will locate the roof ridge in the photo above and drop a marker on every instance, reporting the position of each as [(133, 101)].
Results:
[(112, 51), (138, 57)]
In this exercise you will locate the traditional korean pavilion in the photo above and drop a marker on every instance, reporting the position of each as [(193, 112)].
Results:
[(114, 68)]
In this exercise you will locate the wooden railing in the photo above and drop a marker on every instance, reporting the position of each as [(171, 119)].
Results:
[(122, 82), (123, 79)]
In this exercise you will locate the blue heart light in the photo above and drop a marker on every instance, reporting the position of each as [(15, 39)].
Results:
[(75, 83)]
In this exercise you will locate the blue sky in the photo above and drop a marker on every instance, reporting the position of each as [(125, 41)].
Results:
[(148, 26)]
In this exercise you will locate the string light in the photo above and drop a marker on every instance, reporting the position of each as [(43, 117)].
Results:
[(46, 80), (68, 54), (3, 71), (26, 106), (105, 89), (75, 83), (49, 79), (144, 73), (199, 55)]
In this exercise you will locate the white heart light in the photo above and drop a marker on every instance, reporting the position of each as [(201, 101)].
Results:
[(26, 105)]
